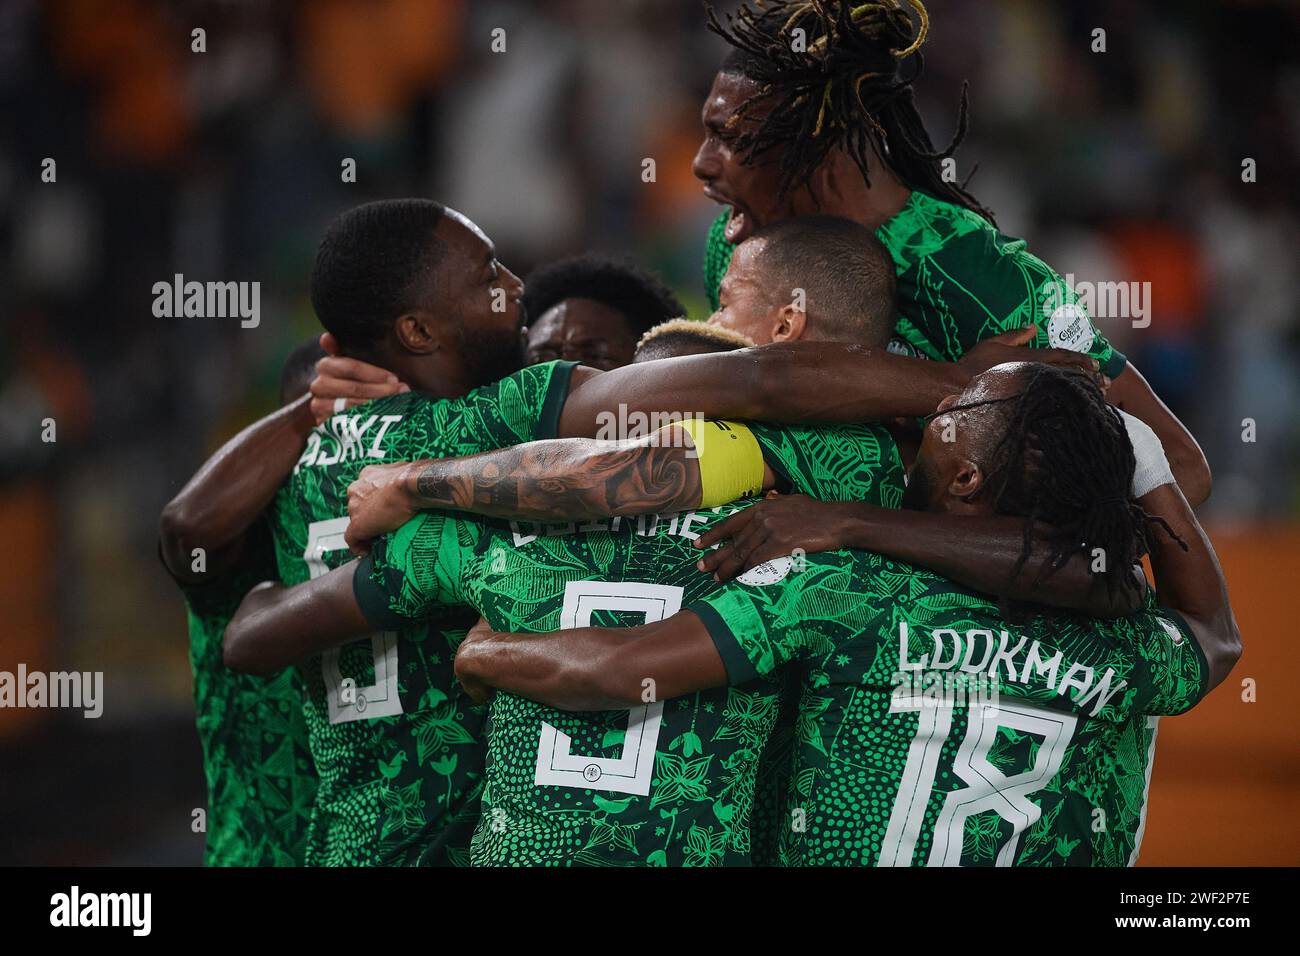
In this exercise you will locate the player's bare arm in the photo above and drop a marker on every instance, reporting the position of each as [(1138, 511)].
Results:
[(219, 504), (569, 478), (1187, 574), (793, 382), (978, 551), (1190, 580), (557, 479), (593, 668), (1130, 392), (565, 478), (276, 625), (801, 381), (596, 668)]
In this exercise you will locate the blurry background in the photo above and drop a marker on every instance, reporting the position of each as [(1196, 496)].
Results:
[(225, 165)]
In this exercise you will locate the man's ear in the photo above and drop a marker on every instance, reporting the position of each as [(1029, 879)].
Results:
[(791, 322), (419, 333), (967, 480), (822, 187)]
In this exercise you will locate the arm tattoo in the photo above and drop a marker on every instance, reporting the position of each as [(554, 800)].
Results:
[(563, 479)]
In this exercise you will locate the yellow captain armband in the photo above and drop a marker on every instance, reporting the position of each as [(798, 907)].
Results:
[(731, 461)]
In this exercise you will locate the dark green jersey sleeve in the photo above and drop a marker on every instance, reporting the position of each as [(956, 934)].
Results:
[(960, 281), (857, 462), (416, 571), (261, 781), (521, 407), (220, 597), (778, 613), (1176, 670)]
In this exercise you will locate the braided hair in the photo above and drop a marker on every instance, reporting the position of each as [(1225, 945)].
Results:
[(1065, 462), (851, 82)]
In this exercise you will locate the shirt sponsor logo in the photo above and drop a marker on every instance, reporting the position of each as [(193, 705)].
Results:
[(769, 572), (1068, 328)]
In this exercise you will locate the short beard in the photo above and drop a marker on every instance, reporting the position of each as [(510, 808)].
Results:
[(491, 355), (917, 494)]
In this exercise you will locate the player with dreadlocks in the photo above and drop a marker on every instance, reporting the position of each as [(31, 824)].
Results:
[(853, 76), (918, 695), (1045, 466), (813, 111)]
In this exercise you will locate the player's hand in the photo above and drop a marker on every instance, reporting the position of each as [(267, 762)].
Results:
[(777, 526), (343, 383), (379, 501), (479, 692), (1014, 346)]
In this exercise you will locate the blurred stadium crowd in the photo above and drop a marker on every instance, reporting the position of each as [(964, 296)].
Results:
[(1123, 165)]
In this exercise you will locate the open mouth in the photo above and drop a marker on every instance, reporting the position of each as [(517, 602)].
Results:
[(739, 224)]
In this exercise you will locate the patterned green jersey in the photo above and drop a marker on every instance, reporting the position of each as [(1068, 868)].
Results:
[(960, 280), (397, 745), (934, 733), (260, 777), (837, 466), (667, 783), (834, 462)]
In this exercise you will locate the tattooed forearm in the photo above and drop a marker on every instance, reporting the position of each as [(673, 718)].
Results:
[(564, 479)]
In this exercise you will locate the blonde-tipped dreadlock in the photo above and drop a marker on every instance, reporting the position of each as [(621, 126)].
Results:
[(850, 82)]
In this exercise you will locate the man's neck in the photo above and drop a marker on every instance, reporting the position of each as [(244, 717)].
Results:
[(872, 206), (434, 380), (844, 193)]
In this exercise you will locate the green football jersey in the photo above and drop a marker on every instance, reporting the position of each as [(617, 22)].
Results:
[(667, 783), (858, 462), (960, 281), (397, 745), (833, 463), (934, 733), (261, 781)]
